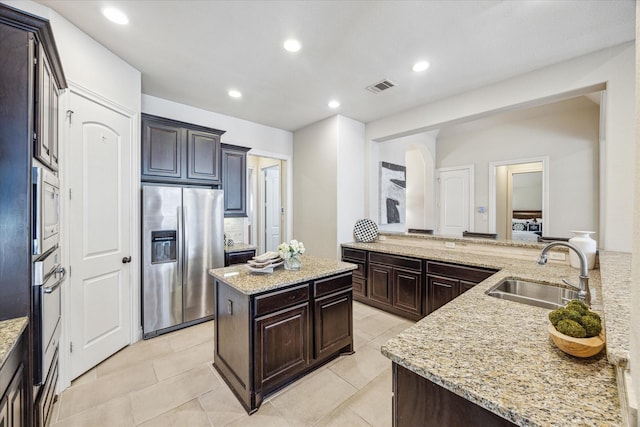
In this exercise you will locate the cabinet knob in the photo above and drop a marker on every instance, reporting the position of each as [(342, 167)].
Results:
[(126, 259)]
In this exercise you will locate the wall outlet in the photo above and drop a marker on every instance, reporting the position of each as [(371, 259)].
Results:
[(558, 256), (449, 245)]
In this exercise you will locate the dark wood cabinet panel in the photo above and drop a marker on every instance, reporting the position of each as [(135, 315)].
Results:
[(359, 280), (333, 324), (380, 283), (162, 149), (441, 291), (420, 402), (203, 153), (461, 272), (359, 286), (281, 346), (234, 180), (407, 291), (465, 286), (15, 398), (176, 152), (268, 340), (231, 258)]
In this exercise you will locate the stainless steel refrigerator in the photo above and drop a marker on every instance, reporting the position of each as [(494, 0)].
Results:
[(183, 237)]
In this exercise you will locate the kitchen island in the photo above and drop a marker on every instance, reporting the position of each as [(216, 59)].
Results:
[(480, 360), (272, 329)]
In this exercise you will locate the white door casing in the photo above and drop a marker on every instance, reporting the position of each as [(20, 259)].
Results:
[(99, 237), (272, 207), (456, 200)]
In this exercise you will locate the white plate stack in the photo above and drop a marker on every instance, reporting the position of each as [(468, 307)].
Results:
[(265, 263)]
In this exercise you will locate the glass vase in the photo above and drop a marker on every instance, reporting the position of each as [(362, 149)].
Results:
[(292, 263)]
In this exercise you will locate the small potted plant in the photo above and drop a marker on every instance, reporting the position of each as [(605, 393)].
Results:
[(290, 253)]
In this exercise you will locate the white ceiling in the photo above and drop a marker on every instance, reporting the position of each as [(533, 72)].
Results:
[(193, 52)]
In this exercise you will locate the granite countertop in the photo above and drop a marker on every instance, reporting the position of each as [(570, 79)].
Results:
[(249, 283), (10, 331), (238, 247), (498, 354)]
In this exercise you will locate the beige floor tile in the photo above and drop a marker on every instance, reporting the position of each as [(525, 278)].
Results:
[(171, 393), (393, 332), (116, 412), (313, 397), (376, 324), (139, 352), (267, 416), (191, 336), (362, 367), (90, 375), (373, 403), (221, 405), (183, 361), (360, 339), (360, 311), (190, 414), (342, 417), (81, 397)]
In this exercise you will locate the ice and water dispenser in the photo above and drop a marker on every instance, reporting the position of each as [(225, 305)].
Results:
[(163, 246)]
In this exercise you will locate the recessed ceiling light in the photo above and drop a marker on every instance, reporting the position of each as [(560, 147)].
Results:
[(334, 104), (292, 45), (235, 93), (115, 15), (420, 66)]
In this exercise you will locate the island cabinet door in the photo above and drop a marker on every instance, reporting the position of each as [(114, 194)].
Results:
[(281, 346), (333, 324)]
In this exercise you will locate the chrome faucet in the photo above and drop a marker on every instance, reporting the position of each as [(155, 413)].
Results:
[(583, 288)]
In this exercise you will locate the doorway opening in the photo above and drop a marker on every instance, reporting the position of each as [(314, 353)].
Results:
[(265, 208)]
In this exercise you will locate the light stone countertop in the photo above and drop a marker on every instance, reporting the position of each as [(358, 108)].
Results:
[(498, 354), (10, 331), (249, 283), (238, 247), (615, 272)]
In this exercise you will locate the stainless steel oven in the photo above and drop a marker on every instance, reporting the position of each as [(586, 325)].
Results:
[(48, 276), (46, 324), (46, 210)]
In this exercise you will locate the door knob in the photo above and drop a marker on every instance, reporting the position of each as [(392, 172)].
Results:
[(126, 259)]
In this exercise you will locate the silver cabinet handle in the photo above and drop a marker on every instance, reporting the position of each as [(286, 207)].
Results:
[(50, 289)]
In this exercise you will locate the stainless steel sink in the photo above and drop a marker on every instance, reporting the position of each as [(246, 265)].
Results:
[(537, 294)]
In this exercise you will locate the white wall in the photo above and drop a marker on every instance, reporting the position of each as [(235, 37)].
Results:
[(328, 177), (350, 178), (613, 66), (315, 179), (260, 138), (568, 136)]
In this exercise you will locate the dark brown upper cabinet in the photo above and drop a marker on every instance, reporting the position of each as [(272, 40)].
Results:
[(179, 153), (234, 180)]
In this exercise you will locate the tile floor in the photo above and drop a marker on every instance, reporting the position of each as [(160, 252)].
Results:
[(169, 381)]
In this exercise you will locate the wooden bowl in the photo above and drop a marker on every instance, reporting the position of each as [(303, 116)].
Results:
[(579, 347)]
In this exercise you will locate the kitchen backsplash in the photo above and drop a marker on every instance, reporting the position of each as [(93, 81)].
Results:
[(234, 228)]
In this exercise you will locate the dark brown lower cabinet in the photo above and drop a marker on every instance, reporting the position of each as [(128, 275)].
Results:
[(420, 402), (447, 281), (14, 407), (265, 341), (395, 284), (241, 257), (281, 345)]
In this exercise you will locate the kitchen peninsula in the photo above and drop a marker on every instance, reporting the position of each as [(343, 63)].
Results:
[(480, 359), (274, 328)]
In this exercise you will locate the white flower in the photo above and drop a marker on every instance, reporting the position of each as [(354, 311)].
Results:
[(287, 250)]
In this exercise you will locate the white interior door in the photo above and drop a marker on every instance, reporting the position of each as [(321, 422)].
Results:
[(455, 201), (272, 207), (99, 213)]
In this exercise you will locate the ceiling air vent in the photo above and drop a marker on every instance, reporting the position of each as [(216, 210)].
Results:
[(380, 86)]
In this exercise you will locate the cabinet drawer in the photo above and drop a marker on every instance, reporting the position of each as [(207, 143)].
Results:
[(359, 286), (277, 301), (396, 261), (332, 284), (361, 271), (354, 254), (470, 274)]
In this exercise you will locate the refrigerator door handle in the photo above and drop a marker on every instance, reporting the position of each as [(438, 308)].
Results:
[(185, 256), (180, 234)]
